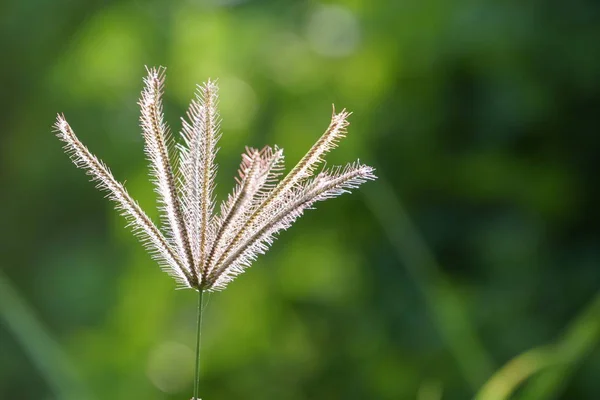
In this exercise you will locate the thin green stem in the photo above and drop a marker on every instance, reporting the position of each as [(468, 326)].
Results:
[(198, 334)]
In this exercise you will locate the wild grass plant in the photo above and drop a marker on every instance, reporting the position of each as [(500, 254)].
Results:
[(202, 249)]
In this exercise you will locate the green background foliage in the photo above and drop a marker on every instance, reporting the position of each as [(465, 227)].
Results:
[(479, 244)]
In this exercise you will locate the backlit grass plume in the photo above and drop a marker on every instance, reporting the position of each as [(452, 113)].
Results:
[(201, 249)]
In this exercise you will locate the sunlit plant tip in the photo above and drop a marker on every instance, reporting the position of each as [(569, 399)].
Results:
[(199, 248)]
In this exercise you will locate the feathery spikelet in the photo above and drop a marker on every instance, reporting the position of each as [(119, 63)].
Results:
[(157, 138), (142, 225), (201, 250)]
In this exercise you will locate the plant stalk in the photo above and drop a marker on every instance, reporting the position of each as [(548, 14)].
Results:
[(198, 334)]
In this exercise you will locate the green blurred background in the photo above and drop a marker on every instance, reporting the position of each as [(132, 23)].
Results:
[(478, 245)]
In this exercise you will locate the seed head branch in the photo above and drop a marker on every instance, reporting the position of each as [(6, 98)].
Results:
[(141, 224), (157, 138)]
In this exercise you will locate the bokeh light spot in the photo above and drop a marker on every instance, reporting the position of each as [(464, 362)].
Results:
[(333, 31), (238, 103), (161, 370)]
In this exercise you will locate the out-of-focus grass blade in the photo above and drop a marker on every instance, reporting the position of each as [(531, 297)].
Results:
[(579, 340), (506, 380), (430, 390), (553, 363), (45, 353), (444, 303)]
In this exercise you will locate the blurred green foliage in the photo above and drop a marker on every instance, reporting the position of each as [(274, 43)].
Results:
[(479, 245)]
